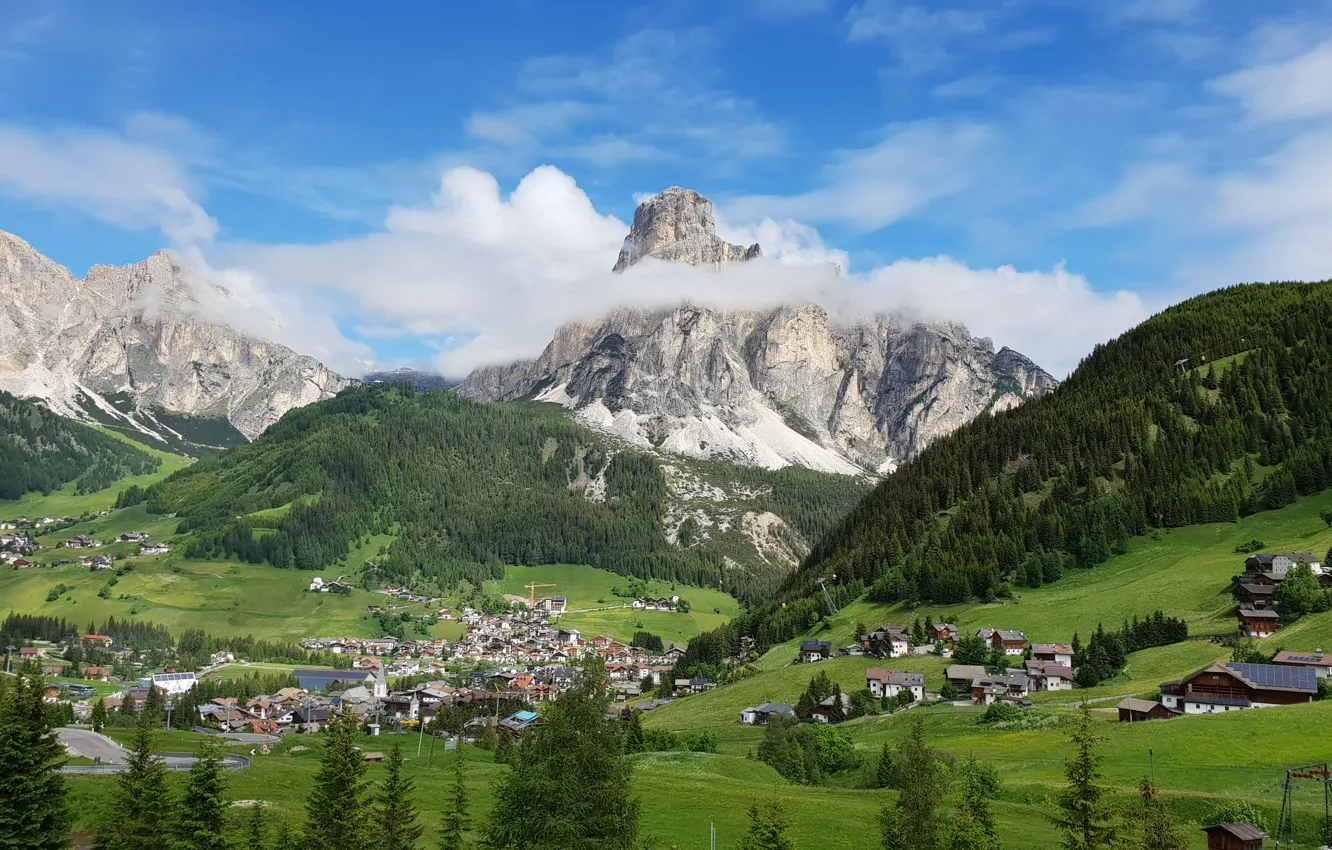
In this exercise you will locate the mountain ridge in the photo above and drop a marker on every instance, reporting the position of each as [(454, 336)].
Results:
[(125, 344), (770, 387)]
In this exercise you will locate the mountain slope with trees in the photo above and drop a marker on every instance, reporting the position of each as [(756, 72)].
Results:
[(1214, 409), (465, 488), (41, 452)]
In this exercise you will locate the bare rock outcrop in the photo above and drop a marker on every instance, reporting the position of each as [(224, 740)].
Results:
[(127, 342)]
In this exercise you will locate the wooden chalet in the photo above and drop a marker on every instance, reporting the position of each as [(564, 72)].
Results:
[(1254, 596), (1230, 686), (1258, 622), (943, 633)]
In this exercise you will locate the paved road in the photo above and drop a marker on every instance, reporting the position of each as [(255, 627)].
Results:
[(89, 744)]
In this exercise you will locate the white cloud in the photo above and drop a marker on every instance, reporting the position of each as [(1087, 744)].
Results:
[(873, 187), (1289, 89), (918, 35), (1146, 190), (104, 175), (501, 273), (654, 91)]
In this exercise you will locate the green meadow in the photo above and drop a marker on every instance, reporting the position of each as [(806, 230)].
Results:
[(1197, 762), (591, 588)]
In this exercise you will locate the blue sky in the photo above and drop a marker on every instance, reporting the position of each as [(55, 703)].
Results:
[(350, 171)]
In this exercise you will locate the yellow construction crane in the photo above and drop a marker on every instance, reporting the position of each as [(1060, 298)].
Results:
[(532, 589)]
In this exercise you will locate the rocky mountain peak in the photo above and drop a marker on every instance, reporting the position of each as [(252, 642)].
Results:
[(678, 226)]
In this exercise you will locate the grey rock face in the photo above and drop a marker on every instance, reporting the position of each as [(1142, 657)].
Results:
[(678, 226), (140, 331), (768, 388)]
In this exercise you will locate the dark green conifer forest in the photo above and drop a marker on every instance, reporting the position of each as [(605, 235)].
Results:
[(41, 452), (1211, 410), (465, 488)]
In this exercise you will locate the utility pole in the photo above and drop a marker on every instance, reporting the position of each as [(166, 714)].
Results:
[(9, 658), (712, 830), (822, 582)]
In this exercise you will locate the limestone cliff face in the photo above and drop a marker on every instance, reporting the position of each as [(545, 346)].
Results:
[(140, 334), (678, 226), (769, 388)]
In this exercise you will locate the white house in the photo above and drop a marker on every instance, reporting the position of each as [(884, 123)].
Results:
[(890, 683), (174, 683)]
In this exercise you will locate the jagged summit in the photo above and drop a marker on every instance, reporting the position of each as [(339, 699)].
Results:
[(127, 343), (678, 226), (764, 387)]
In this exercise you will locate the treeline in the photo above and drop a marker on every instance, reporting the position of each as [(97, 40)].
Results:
[(41, 452), (1133, 440), (193, 649), (1106, 654), (464, 488)]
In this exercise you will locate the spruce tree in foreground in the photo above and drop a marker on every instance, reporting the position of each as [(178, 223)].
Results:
[(256, 829), (767, 830), (1084, 815), (140, 814), (503, 747), (201, 817), (98, 719), (885, 773), (1159, 830), (33, 812), (395, 820), (569, 786), (972, 826), (911, 824), (334, 813), (455, 821)]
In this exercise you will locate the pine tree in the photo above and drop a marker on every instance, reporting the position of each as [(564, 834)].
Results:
[(571, 762), (1084, 815), (154, 706), (767, 830), (1159, 829), (256, 829), (633, 730), (503, 747), (201, 816), (455, 821), (911, 824), (98, 718), (972, 826), (395, 820), (334, 815), (140, 811), (33, 809), (885, 773)]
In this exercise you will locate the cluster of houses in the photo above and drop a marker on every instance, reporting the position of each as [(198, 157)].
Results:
[(1050, 668), (651, 603), (1223, 686), (1255, 589), (16, 549), (318, 585)]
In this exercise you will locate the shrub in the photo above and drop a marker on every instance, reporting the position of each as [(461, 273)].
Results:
[(1234, 811)]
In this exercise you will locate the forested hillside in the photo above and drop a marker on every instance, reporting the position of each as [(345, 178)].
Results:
[(40, 451), (1213, 409), (464, 488)]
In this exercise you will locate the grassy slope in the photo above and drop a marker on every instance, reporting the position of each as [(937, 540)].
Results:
[(66, 502), (587, 587)]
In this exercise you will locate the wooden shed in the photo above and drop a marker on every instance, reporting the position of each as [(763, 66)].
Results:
[(1234, 836)]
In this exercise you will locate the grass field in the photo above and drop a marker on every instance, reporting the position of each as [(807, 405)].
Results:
[(1185, 571), (682, 793), (588, 587), (66, 502)]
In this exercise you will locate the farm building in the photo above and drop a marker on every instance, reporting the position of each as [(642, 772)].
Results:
[(1137, 710), (1258, 622), (1234, 836), (762, 714), (1231, 686)]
